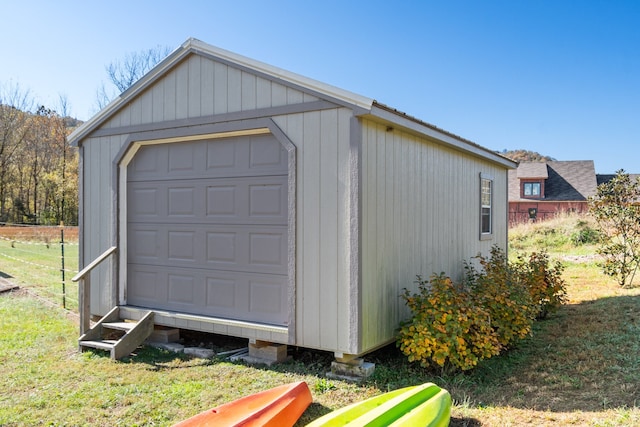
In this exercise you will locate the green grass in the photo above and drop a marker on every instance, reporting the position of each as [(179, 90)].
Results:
[(37, 266), (580, 367)]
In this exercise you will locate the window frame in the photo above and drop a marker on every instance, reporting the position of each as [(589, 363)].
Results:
[(486, 234), (532, 184)]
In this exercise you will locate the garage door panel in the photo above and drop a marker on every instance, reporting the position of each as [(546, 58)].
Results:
[(221, 294), (254, 200), (183, 246), (184, 160), (181, 201), (267, 154), (231, 248), (268, 201), (149, 163), (266, 297), (144, 245), (148, 287), (146, 201), (257, 155)]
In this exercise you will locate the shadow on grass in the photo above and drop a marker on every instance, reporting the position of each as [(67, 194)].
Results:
[(583, 358)]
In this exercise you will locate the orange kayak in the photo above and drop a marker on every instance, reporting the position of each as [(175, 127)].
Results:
[(277, 407)]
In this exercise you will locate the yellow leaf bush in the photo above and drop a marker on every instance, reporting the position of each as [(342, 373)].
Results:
[(457, 325)]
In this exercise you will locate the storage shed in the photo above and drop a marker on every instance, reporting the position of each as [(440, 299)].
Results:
[(254, 202)]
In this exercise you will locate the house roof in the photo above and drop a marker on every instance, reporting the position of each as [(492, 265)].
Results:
[(363, 106), (602, 178), (532, 170), (566, 180)]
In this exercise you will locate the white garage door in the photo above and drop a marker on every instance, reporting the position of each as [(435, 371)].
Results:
[(207, 229)]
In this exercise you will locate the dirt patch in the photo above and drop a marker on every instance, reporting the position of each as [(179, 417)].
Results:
[(42, 234), (581, 258)]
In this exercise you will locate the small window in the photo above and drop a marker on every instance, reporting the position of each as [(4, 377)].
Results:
[(486, 201), (531, 189)]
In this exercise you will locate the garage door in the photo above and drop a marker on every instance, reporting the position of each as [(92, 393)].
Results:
[(207, 228)]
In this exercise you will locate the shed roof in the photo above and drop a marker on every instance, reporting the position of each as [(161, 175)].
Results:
[(573, 180), (363, 106)]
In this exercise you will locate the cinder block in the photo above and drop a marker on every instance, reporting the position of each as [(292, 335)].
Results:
[(164, 334), (356, 370), (270, 352)]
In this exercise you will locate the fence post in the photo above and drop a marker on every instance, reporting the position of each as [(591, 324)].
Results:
[(64, 291)]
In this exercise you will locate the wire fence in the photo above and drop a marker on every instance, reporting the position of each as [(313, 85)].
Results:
[(42, 260)]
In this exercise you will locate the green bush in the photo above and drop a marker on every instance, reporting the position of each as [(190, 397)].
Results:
[(499, 287), (585, 236), (544, 282), (457, 325)]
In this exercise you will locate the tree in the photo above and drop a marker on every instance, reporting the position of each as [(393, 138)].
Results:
[(123, 74), (616, 208), (38, 168), (14, 128)]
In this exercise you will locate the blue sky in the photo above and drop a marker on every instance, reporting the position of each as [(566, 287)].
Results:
[(561, 77)]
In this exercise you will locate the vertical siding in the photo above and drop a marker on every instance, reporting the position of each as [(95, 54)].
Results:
[(99, 221), (322, 249), (199, 86), (420, 216)]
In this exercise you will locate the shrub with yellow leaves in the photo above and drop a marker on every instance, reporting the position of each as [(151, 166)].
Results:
[(454, 326)]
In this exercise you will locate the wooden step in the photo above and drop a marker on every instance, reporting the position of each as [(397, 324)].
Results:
[(120, 326), (100, 345), (135, 332)]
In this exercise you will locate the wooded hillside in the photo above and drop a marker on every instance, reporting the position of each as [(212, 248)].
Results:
[(38, 168), (526, 156)]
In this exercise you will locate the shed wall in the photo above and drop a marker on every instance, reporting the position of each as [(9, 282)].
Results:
[(420, 215), (97, 215), (323, 305), (200, 90)]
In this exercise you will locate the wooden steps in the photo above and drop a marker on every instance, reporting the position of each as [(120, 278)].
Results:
[(118, 336)]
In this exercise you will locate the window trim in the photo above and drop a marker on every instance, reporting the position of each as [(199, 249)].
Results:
[(486, 235), (523, 186)]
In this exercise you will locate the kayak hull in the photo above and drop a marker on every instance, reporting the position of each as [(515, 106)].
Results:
[(423, 405), (277, 407)]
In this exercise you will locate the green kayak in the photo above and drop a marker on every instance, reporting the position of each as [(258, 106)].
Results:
[(423, 405)]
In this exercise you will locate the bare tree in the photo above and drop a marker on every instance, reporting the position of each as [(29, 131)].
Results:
[(14, 128), (123, 74)]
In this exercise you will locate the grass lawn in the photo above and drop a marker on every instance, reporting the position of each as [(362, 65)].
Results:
[(581, 367)]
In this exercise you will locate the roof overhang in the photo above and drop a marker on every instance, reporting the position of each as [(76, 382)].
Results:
[(392, 117)]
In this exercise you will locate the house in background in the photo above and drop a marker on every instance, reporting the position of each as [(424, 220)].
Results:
[(246, 200), (539, 191)]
